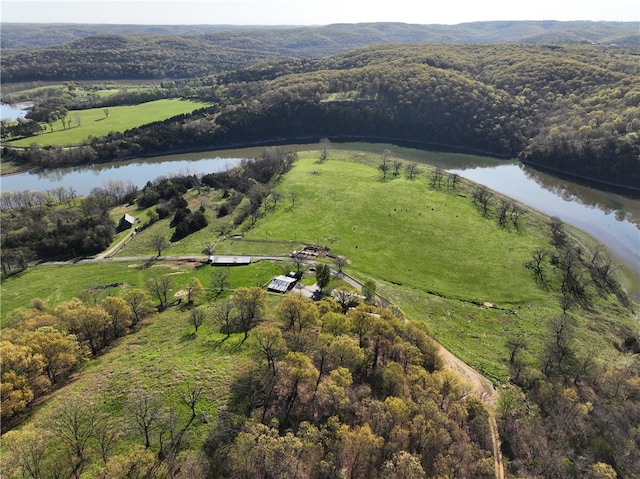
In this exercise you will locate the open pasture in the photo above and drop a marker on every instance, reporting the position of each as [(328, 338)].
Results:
[(98, 122)]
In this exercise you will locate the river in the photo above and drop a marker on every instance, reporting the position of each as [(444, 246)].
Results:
[(13, 111), (612, 218)]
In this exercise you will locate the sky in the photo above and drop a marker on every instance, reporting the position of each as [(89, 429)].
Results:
[(311, 12)]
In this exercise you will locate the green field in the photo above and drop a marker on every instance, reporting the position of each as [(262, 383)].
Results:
[(403, 232), (96, 122), (430, 252), (56, 283), (432, 255)]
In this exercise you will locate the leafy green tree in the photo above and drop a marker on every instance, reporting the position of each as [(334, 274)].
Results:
[(249, 306), (299, 376), (20, 368), (25, 453), (332, 392), (323, 275), (369, 292), (120, 314), (361, 451), (344, 352), (60, 352), (403, 465), (297, 311), (89, 323), (270, 344), (336, 324), (140, 303), (195, 291)]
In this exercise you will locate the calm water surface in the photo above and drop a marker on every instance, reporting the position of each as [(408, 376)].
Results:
[(13, 112), (613, 219)]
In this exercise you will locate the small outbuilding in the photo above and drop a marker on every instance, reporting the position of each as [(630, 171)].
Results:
[(281, 284), (126, 222), (219, 260)]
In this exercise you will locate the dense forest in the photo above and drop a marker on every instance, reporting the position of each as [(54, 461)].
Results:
[(330, 39), (574, 109)]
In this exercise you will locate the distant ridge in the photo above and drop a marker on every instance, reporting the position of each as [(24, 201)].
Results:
[(334, 38)]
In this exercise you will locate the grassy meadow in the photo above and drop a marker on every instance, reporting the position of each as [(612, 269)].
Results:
[(57, 283), (164, 358), (404, 232), (429, 251), (96, 122)]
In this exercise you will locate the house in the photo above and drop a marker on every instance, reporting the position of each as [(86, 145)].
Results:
[(281, 284), (126, 222)]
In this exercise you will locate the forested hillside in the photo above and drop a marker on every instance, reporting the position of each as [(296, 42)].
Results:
[(575, 109), (328, 39)]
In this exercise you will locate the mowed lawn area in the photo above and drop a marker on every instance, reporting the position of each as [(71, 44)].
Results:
[(102, 121)]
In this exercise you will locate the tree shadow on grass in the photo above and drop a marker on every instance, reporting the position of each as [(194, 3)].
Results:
[(188, 337), (229, 344)]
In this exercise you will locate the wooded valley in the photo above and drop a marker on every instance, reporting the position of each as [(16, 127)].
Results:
[(573, 108), (159, 363)]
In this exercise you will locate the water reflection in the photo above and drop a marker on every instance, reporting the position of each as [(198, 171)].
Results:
[(622, 207), (138, 172)]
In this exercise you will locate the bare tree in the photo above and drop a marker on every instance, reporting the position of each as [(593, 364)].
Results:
[(437, 176), (161, 286), (397, 165), (481, 198), (412, 170), (106, 433), (140, 303), (250, 305), (73, 427), (159, 242), (515, 214), (384, 168), (452, 180), (196, 318), (325, 146), (502, 212), (340, 262), (558, 235), (293, 195), (219, 279), (536, 264), (275, 197), (147, 410), (223, 317), (190, 397)]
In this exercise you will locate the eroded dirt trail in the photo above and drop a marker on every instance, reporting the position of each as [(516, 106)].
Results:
[(484, 389)]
